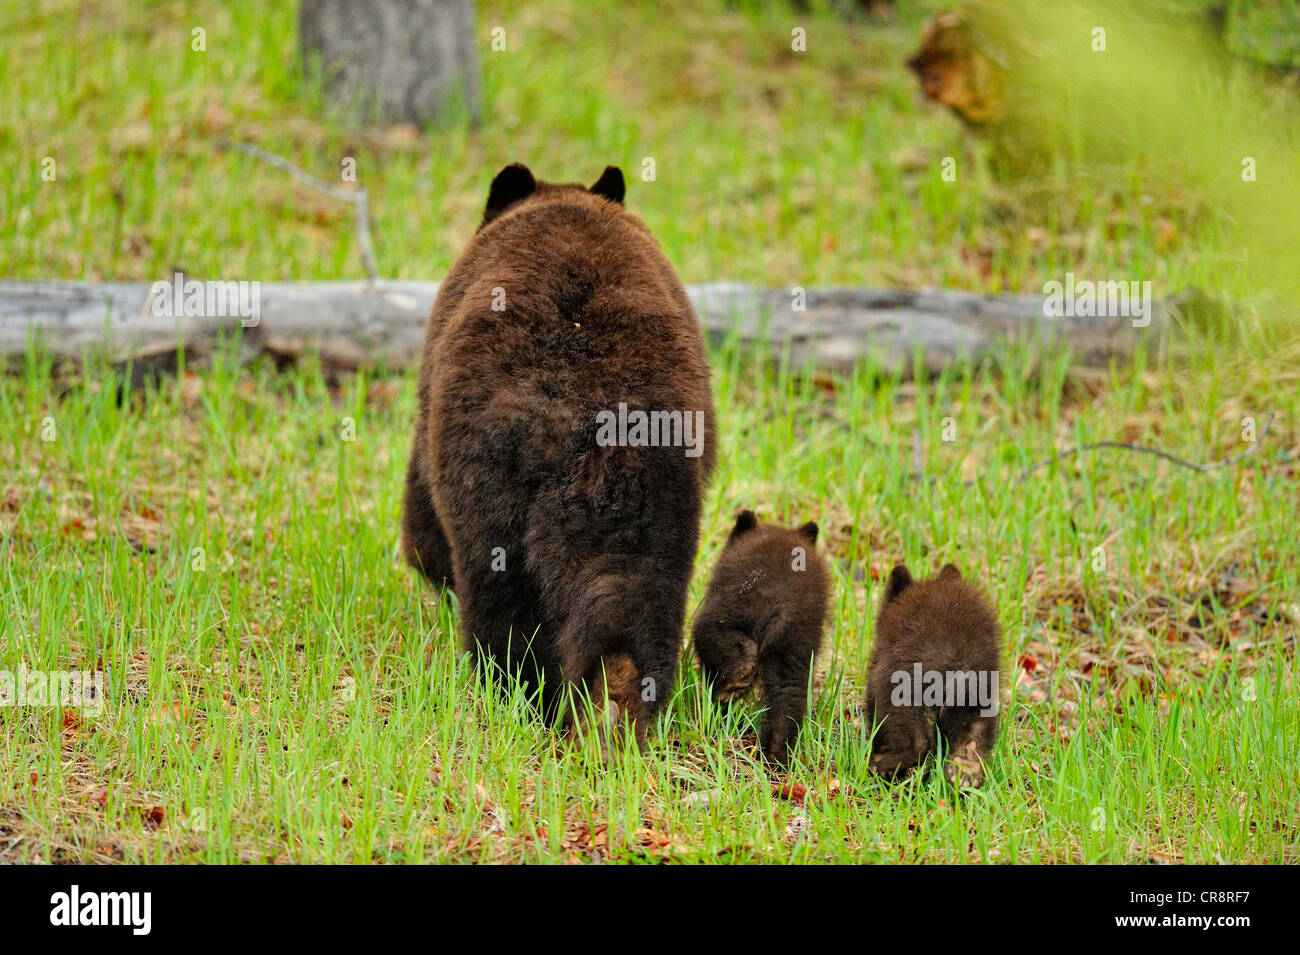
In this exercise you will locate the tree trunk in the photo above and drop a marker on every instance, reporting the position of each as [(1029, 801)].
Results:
[(398, 61)]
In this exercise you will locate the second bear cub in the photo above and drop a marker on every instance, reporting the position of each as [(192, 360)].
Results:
[(934, 669), (762, 618)]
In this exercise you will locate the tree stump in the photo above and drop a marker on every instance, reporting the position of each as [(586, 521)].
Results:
[(395, 61)]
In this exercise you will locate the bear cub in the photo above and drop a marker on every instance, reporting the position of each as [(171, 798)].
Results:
[(568, 543), (934, 671), (762, 619)]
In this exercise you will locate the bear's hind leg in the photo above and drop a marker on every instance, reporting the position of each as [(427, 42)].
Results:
[(614, 706), (424, 542), (623, 638), (501, 624)]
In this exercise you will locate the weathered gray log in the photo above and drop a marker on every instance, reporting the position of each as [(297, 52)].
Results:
[(400, 61), (356, 324)]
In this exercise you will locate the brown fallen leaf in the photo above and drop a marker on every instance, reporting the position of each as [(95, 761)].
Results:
[(172, 711), (79, 528), (652, 839), (579, 838), (792, 791), (538, 834)]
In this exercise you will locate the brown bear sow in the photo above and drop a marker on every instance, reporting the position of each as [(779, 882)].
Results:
[(934, 668), (562, 442), (762, 618)]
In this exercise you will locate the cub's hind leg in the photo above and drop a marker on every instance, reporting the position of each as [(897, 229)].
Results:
[(902, 740), (785, 694)]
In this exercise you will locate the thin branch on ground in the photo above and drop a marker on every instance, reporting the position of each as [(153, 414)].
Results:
[(359, 198), (1155, 452)]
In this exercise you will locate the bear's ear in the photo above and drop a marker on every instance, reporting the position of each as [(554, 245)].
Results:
[(513, 183), (744, 523), (949, 572), (610, 185), (900, 578), (809, 531)]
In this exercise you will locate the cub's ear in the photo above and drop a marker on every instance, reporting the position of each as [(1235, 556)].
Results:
[(949, 572), (513, 183), (900, 578), (610, 185), (744, 523), (809, 531)]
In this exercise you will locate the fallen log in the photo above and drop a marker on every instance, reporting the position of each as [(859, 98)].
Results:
[(372, 325)]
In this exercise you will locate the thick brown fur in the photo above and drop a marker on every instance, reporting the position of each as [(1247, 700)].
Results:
[(762, 619), (947, 626), (566, 556)]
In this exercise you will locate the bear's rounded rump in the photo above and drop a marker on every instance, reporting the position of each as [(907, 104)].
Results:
[(563, 438)]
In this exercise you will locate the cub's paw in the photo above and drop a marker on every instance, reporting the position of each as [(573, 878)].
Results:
[(964, 767), (731, 692), (776, 747), (890, 765)]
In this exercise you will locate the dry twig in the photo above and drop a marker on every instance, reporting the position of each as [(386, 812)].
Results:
[(1156, 452), (359, 198)]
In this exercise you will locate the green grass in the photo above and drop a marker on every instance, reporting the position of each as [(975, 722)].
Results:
[(799, 168), (282, 688), (303, 696)]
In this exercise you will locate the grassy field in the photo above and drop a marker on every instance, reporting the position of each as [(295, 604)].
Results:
[(222, 543), (301, 696), (798, 168)]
